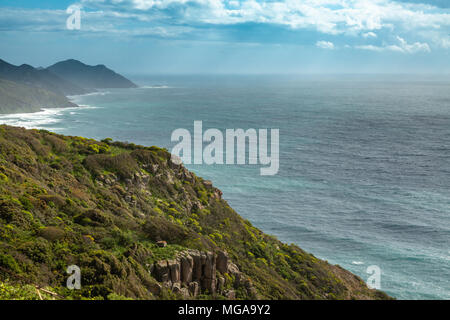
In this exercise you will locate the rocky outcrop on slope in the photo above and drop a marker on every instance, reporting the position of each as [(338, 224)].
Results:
[(193, 272)]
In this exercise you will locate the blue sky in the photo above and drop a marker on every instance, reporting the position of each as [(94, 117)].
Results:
[(233, 36)]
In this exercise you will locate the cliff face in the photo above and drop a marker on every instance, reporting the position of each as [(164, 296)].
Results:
[(139, 226)]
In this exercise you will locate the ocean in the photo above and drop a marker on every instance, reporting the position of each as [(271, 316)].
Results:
[(364, 174)]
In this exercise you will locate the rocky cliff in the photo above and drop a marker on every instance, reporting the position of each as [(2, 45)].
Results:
[(138, 226), (193, 272)]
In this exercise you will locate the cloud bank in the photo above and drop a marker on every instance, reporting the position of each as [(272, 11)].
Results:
[(376, 25)]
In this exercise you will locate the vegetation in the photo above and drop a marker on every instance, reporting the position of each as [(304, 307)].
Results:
[(104, 205)]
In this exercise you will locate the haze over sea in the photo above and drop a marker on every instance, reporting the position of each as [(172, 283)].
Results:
[(364, 173)]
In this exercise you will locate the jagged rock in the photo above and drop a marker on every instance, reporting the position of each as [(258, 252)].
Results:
[(208, 184), (222, 262), (234, 270), (176, 287), (209, 269), (230, 294), (174, 267), (217, 194), (184, 292), (187, 264), (194, 288), (197, 269), (155, 288), (162, 271)]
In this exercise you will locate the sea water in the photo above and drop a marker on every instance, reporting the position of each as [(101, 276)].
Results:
[(364, 174)]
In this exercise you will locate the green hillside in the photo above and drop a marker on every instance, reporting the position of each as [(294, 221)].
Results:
[(108, 206)]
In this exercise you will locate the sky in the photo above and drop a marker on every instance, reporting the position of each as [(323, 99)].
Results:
[(232, 36)]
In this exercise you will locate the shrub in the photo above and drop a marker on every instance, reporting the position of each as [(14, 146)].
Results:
[(122, 164), (3, 177), (8, 262), (159, 228), (26, 203), (52, 233), (58, 145)]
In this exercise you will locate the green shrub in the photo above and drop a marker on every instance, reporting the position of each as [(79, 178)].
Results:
[(122, 164), (8, 262), (159, 228), (26, 203), (52, 233)]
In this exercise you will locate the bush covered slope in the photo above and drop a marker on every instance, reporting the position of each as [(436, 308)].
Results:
[(104, 206)]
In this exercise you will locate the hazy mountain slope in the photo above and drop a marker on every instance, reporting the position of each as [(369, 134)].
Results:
[(27, 75), (15, 97), (103, 206), (89, 77)]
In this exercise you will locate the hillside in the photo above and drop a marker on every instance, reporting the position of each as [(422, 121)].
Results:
[(39, 78), (15, 97), (89, 77), (107, 206)]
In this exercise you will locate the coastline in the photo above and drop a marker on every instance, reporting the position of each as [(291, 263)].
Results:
[(286, 226)]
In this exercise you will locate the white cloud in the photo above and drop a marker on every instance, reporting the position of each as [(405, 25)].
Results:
[(413, 48), (369, 35), (402, 47), (326, 16), (445, 42), (353, 19), (325, 45)]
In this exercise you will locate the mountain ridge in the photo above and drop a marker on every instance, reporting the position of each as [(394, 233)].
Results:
[(29, 89), (27, 75), (90, 77)]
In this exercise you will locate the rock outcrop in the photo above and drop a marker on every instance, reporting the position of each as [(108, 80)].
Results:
[(193, 272)]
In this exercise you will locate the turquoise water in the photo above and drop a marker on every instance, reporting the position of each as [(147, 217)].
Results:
[(364, 173)]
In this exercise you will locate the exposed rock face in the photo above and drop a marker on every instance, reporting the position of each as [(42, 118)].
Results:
[(174, 270), (222, 262), (194, 288), (187, 264), (161, 271), (193, 272)]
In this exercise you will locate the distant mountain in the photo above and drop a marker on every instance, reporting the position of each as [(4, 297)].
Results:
[(16, 97), (89, 77), (39, 78), (26, 89)]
